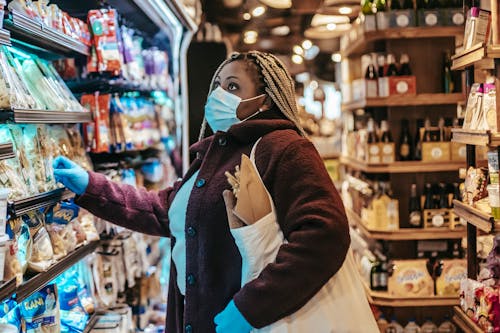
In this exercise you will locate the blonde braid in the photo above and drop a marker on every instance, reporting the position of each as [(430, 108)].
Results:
[(278, 85)]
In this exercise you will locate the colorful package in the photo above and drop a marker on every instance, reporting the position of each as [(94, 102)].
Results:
[(410, 278), (26, 170), (104, 27), (42, 254), (452, 272), (20, 249), (73, 315), (40, 312)]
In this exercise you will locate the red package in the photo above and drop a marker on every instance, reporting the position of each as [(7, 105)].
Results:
[(92, 61), (66, 68), (102, 125), (104, 28), (90, 103)]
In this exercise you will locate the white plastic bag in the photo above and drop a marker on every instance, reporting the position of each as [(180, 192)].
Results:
[(340, 306)]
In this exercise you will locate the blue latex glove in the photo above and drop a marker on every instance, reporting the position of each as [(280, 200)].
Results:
[(230, 320), (71, 175)]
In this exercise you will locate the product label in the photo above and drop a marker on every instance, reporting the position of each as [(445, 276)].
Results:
[(436, 152), (402, 87), (374, 150), (462, 151), (458, 19), (431, 19), (404, 150), (402, 21), (415, 219), (383, 279), (438, 220), (387, 149), (375, 280)]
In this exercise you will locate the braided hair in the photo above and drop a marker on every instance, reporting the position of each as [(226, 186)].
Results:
[(273, 79)]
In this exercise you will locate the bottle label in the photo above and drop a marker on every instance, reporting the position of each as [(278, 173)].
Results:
[(375, 280), (436, 153), (402, 87), (402, 21), (431, 19), (383, 280), (387, 149), (415, 218), (458, 19), (404, 150), (438, 220), (462, 151), (374, 149)]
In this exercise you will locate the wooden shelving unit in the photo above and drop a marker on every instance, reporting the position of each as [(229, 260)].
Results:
[(479, 219), (401, 167), (404, 234), (479, 56), (360, 45), (464, 322), (476, 138), (414, 100)]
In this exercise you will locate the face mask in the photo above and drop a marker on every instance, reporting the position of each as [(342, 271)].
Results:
[(220, 109)]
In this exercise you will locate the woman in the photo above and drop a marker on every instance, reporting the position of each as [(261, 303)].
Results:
[(252, 96)]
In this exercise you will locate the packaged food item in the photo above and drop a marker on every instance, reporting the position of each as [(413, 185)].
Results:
[(42, 254), (73, 315), (410, 278), (40, 312), (102, 135), (103, 26), (87, 223), (61, 232), (451, 273), (476, 182), (20, 248), (25, 167), (24, 7), (489, 106), (105, 277), (80, 155), (86, 287)]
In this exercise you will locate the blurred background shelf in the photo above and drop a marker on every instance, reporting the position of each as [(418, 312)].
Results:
[(415, 100), (401, 167), (475, 137), (464, 322), (22, 206), (44, 116), (481, 220)]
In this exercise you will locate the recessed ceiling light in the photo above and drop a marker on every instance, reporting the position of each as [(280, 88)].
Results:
[(320, 19), (331, 26), (279, 4), (311, 53), (258, 11), (345, 10), (297, 59), (247, 16), (306, 44), (251, 34), (336, 57), (282, 30), (298, 50)]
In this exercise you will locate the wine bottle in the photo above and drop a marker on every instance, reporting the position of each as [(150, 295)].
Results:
[(386, 134), (429, 197), (375, 275), (408, 4), (405, 142), (456, 192), (371, 80), (448, 84), (442, 131), (443, 196), (381, 65), (372, 135), (405, 65), (415, 212), (427, 132), (391, 66), (395, 4)]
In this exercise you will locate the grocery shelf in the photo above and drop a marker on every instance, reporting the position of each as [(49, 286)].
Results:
[(481, 220), (22, 206), (475, 137), (5, 37), (403, 100), (360, 45), (480, 56), (6, 151), (116, 85), (404, 233), (91, 322), (383, 298), (44, 116), (463, 321), (28, 33), (401, 167), (40, 280), (7, 289)]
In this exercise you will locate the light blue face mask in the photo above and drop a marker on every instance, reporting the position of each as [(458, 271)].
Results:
[(220, 109)]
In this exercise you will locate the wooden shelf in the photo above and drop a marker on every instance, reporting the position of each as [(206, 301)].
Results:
[(481, 220), (480, 56), (477, 138), (415, 100), (360, 45), (464, 322), (406, 233), (401, 167)]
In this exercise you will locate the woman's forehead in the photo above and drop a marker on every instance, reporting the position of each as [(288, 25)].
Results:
[(234, 68)]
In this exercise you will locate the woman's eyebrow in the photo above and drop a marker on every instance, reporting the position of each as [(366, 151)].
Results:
[(231, 77)]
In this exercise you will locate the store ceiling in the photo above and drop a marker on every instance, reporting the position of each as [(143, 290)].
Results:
[(279, 30)]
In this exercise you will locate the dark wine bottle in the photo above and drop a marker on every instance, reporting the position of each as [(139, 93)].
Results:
[(372, 135), (391, 66), (429, 197), (448, 84), (381, 65), (443, 196), (415, 213), (405, 65), (386, 134), (405, 142), (427, 133), (418, 142)]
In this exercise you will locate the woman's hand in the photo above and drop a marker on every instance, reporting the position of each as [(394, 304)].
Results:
[(230, 201), (70, 175), (230, 320)]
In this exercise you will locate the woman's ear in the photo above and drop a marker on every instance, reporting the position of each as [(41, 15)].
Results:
[(268, 104)]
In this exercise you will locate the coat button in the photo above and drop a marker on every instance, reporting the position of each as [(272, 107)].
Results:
[(191, 279), (200, 183), (191, 231), (222, 141), (189, 328)]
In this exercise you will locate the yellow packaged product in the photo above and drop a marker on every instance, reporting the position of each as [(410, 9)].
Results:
[(452, 272), (410, 278)]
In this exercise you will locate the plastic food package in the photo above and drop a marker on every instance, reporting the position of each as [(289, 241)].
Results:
[(87, 223), (62, 235), (103, 25), (20, 249), (39, 158), (105, 277), (23, 155), (410, 278), (476, 182), (25, 7), (452, 272), (80, 155), (97, 133), (42, 253), (61, 142), (73, 315), (10, 171), (46, 149), (13, 93), (40, 312), (87, 292)]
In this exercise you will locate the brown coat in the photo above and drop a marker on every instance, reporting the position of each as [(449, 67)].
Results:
[(309, 210)]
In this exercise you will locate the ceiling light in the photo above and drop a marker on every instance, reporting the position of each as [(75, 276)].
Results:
[(336, 57), (320, 19), (345, 10), (297, 59), (331, 26), (249, 40), (247, 16), (306, 44), (312, 52), (251, 34), (258, 11), (314, 85), (279, 4), (298, 50), (282, 30)]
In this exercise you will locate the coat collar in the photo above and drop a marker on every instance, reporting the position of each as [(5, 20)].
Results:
[(249, 130)]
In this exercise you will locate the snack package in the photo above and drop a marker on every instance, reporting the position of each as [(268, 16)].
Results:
[(24, 7), (26, 170), (46, 150), (20, 249), (475, 185), (18, 94), (489, 106), (474, 106), (102, 124), (40, 312), (86, 288), (12, 267), (105, 277), (10, 170), (87, 223), (80, 155), (451, 273), (62, 234), (103, 26), (410, 278), (37, 159), (61, 142), (42, 254)]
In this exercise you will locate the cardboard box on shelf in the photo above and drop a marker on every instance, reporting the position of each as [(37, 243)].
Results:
[(402, 18), (397, 85), (435, 151)]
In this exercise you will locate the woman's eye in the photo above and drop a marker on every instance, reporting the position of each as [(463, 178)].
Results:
[(232, 86)]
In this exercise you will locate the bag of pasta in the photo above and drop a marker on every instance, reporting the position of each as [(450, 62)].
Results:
[(19, 253), (42, 253), (38, 162), (10, 170), (26, 170), (40, 312), (61, 142), (61, 233), (46, 151), (80, 156)]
